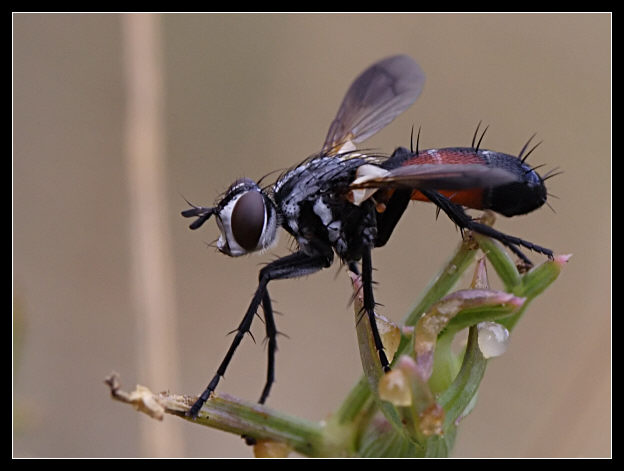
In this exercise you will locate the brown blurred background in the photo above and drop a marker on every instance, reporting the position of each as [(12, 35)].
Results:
[(247, 94)]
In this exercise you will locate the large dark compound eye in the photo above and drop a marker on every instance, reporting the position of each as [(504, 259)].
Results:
[(247, 220)]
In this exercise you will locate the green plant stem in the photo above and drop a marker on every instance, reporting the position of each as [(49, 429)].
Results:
[(501, 261), (354, 403), (459, 394), (252, 420), (249, 419), (444, 281)]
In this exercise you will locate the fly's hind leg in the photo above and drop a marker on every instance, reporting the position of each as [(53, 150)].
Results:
[(457, 214)]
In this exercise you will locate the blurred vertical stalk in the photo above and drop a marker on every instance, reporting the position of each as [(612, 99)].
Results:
[(150, 253)]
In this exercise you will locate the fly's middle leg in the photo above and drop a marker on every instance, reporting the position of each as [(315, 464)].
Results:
[(369, 307)]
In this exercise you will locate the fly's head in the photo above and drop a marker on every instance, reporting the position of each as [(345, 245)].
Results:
[(246, 217)]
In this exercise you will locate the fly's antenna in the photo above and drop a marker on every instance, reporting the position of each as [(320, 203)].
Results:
[(200, 212)]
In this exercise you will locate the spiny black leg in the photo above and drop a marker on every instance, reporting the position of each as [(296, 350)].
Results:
[(521, 255), (243, 327), (510, 241), (290, 266), (457, 214), (369, 306), (271, 333)]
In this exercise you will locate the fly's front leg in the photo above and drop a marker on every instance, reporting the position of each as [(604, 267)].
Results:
[(271, 335), (291, 266), (242, 328), (369, 306)]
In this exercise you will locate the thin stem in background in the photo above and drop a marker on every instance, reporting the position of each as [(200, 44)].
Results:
[(150, 246)]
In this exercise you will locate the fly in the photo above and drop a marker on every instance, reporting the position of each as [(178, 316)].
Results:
[(343, 202)]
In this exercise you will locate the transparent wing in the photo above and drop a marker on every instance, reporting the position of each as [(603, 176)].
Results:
[(433, 177), (377, 96)]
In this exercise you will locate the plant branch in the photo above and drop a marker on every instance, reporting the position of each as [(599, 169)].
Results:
[(230, 414)]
